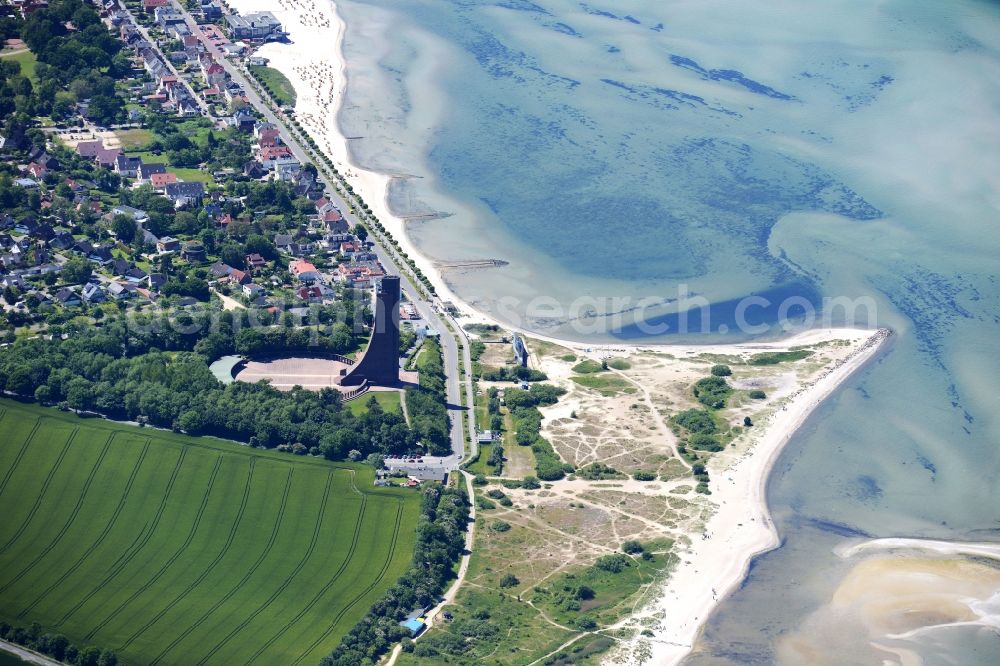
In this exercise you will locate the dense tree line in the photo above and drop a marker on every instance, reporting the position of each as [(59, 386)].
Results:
[(147, 373), (337, 340), (56, 646), (428, 403), (78, 59), (523, 407), (712, 391), (513, 373), (440, 543)]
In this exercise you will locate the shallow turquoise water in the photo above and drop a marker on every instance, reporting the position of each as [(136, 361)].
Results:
[(640, 150)]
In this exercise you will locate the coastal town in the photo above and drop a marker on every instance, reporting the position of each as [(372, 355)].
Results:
[(252, 227)]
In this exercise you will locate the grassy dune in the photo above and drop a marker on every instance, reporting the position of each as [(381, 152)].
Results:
[(276, 83), (171, 549)]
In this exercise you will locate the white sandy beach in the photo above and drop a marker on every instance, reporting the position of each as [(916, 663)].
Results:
[(741, 528), (713, 567)]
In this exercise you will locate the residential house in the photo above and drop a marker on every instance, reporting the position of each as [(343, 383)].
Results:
[(238, 277), (37, 170), (251, 290), (192, 47), (155, 281), (121, 291), (67, 297), (145, 172), (272, 156), (214, 73), (84, 247), (194, 252), (140, 216), (316, 293), (152, 64), (334, 223), (219, 270), (74, 185), (120, 266), (101, 255), (303, 270), (15, 281), (243, 119), (167, 81), (282, 242), (168, 244), (287, 172), (179, 31), (159, 181), (264, 130), (166, 15), (230, 50), (253, 169), (43, 232), (213, 210), (185, 194), (96, 151), (93, 293), (210, 11), (42, 157), (136, 275), (333, 241), (349, 249), (150, 6), (187, 107), (255, 262), (63, 240), (359, 275), (89, 148), (127, 167)]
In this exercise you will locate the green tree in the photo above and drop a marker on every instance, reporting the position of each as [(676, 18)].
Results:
[(509, 580), (124, 228), (107, 658), (632, 547), (76, 271)]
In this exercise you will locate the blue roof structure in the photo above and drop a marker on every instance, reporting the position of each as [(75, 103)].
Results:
[(414, 625)]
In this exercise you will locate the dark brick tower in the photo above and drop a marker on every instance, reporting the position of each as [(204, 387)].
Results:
[(380, 363)]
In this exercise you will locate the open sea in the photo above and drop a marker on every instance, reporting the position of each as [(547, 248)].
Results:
[(632, 158)]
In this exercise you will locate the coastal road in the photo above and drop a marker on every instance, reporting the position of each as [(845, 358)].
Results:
[(463, 568), (427, 310)]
